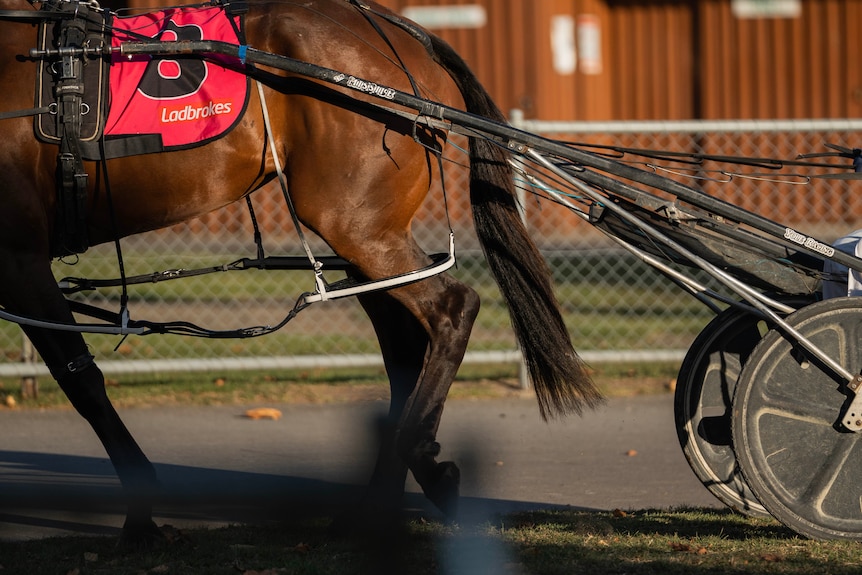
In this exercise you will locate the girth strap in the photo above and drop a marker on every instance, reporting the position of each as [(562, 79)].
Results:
[(72, 179)]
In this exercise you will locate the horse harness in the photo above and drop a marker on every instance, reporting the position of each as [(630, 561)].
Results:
[(74, 48), (78, 35), (71, 38), (71, 100), (70, 111)]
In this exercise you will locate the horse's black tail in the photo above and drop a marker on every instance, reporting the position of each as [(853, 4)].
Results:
[(559, 376)]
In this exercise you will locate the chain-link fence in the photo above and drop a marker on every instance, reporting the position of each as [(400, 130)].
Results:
[(613, 304)]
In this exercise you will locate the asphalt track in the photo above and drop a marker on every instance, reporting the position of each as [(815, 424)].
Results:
[(218, 467)]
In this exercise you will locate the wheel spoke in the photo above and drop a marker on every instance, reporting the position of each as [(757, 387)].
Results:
[(826, 474)]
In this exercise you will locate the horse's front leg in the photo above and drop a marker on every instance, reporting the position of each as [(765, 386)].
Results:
[(30, 290), (84, 385)]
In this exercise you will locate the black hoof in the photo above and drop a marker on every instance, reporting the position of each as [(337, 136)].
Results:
[(364, 521), (142, 536), (444, 489)]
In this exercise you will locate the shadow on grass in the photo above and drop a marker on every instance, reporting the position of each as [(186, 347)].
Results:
[(538, 542), (268, 523)]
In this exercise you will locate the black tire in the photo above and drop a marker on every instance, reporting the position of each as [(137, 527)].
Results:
[(797, 458), (703, 403)]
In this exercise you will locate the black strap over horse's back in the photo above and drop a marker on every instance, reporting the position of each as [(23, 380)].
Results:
[(72, 86), (89, 79)]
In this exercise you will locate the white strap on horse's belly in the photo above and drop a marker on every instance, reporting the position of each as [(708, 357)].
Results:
[(324, 294)]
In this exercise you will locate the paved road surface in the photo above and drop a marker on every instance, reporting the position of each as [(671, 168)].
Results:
[(218, 467)]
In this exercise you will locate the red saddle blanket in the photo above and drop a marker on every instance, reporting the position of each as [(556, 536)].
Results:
[(187, 101)]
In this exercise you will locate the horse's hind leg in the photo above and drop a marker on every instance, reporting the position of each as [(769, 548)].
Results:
[(403, 343), (34, 293), (423, 331)]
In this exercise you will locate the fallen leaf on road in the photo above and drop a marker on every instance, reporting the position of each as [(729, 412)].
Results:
[(263, 413)]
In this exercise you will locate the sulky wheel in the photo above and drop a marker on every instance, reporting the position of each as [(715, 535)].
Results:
[(800, 462), (703, 400)]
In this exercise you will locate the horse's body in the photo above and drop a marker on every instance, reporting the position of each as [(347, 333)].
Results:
[(356, 177)]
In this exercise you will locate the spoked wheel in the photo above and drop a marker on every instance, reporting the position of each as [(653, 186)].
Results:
[(800, 462), (703, 402)]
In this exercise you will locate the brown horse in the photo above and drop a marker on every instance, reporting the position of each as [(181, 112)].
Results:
[(356, 177)]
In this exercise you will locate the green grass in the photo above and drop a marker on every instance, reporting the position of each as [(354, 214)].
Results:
[(668, 543), (558, 542), (609, 302), (591, 326)]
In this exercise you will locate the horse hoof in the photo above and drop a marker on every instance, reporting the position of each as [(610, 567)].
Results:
[(142, 536), (363, 522), (443, 491)]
